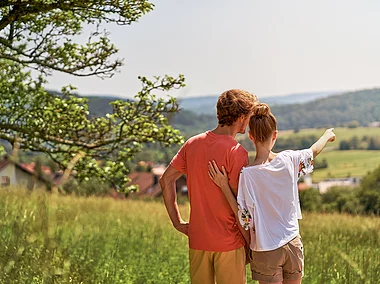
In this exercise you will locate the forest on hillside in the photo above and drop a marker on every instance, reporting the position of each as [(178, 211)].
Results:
[(349, 109), (359, 108)]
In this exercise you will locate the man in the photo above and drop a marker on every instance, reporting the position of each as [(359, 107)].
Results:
[(216, 244)]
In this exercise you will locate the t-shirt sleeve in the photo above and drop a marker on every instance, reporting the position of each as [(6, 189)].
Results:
[(303, 162), (245, 205), (240, 160), (179, 160)]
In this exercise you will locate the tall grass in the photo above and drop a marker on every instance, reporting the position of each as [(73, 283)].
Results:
[(341, 248), (55, 239)]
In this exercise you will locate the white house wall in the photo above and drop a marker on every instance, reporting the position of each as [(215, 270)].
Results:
[(9, 171), (20, 178), (326, 184)]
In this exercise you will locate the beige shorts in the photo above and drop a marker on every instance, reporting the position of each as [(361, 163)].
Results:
[(208, 267), (284, 263)]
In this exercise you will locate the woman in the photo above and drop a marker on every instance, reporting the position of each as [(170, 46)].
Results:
[(268, 203)]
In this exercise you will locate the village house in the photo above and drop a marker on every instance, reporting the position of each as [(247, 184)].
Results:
[(149, 185), (22, 175), (324, 185), (306, 183), (374, 124)]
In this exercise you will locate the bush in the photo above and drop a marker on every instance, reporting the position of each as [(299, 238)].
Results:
[(93, 187), (341, 199), (310, 200), (320, 164)]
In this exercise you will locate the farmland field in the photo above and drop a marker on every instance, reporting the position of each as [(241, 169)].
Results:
[(342, 133), (355, 163), (57, 239)]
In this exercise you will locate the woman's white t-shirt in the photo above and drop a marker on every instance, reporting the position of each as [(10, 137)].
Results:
[(268, 199)]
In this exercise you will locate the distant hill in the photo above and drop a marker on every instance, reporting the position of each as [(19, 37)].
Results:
[(199, 105), (298, 98), (357, 108), (207, 104), (296, 111), (99, 104), (360, 107)]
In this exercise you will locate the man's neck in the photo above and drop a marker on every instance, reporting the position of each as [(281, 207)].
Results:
[(225, 130)]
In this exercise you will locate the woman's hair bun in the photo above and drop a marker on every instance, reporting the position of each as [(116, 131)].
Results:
[(261, 109)]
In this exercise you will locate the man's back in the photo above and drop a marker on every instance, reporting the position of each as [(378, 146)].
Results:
[(216, 251), (212, 225)]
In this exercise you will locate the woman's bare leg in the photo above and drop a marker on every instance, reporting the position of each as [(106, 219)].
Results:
[(284, 282), (292, 281)]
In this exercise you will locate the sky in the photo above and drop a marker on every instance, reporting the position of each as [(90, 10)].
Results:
[(267, 47)]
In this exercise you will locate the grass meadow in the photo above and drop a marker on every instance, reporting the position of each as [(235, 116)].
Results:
[(56, 239)]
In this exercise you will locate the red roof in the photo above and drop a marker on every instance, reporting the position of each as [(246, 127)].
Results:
[(143, 179), (303, 186), (159, 170), (3, 163), (30, 168)]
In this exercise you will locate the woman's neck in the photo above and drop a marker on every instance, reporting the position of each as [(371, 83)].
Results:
[(264, 154)]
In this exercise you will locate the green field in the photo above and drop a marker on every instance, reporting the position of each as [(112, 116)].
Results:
[(356, 163), (55, 239), (342, 133)]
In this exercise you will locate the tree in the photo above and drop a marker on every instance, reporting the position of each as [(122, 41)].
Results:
[(354, 142), (374, 144), (42, 35), (344, 145), (370, 192), (353, 124)]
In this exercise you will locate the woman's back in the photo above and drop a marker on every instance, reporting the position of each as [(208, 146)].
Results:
[(269, 193)]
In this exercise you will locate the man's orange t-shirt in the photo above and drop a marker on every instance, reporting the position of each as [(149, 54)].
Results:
[(212, 224)]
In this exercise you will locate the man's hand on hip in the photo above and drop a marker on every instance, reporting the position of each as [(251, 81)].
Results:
[(183, 227)]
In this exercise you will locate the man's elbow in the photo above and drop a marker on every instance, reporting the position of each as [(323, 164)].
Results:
[(162, 182)]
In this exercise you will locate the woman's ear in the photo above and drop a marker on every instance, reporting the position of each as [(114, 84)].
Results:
[(274, 136), (251, 137)]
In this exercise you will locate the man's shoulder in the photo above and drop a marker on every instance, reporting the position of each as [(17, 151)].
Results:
[(238, 148), (225, 142), (197, 137)]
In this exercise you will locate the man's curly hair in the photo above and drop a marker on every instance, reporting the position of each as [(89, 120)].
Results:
[(233, 104)]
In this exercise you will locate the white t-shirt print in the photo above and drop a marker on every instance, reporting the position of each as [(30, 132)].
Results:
[(268, 199)]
